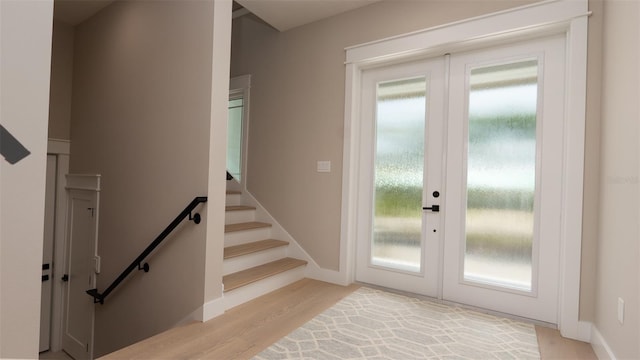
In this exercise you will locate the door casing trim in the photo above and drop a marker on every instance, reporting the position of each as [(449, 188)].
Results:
[(568, 17), (61, 149)]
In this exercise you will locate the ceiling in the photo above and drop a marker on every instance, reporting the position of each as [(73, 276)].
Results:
[(281, 14), (73, 12), (287, 14)]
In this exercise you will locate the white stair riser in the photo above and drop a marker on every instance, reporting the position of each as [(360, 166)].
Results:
[(233, 199), (249, 292), (246, 236), (254, 259), (239, 216)]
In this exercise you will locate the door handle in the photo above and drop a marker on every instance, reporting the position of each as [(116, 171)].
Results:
[(434, 208), (65, 277)]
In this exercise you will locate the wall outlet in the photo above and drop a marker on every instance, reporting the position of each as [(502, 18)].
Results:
[(621, 310)]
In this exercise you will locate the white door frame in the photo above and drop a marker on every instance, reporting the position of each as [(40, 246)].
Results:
[(60, 148), (47, 254), (241, 85), (567, 17)]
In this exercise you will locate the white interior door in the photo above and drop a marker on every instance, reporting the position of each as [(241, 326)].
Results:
[(401, 172), (504, 178), (79, 275), (47, 254), (496, 170)]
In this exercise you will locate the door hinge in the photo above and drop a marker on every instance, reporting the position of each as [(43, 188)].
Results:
[(92, 211)]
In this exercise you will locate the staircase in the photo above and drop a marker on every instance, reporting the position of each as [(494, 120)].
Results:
[(254, 263)]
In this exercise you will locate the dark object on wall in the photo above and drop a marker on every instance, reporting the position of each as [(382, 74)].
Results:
[(10, 148)]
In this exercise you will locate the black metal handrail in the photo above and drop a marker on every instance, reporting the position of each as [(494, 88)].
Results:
[(137, 263)]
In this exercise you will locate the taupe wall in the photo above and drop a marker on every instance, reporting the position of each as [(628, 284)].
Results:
[(297, 101), (61, 81), (297, 108), (25, 50), (617, 259), (141, 117)]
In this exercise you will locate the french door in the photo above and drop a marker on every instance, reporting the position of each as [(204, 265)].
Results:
[(401, 160), (459, 164)]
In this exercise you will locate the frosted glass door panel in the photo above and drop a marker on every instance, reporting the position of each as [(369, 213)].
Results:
[(398, 174), (501, 174)]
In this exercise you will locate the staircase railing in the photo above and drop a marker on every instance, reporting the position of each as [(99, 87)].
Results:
[(137, 263)]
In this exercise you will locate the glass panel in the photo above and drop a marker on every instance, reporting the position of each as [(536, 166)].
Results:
[(399, 163), (501, 174), (234, 138)]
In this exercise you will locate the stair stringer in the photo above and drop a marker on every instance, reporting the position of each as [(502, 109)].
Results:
[(294, 250)]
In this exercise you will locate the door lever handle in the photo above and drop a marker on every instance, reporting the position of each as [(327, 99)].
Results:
[(434, 208)]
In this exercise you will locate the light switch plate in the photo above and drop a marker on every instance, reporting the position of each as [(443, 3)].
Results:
[(324, 166), (621, 310), (96, 264)]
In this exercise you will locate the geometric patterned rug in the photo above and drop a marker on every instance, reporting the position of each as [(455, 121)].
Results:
[(374, 324)]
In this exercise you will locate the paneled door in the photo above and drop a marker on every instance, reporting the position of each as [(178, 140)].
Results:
[(460, 191), (81, 265)]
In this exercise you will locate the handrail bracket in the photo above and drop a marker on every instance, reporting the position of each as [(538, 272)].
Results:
[(97, 297), (144, 267), (195, 218)]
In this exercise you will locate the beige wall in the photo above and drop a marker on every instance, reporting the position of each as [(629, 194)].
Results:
[(61, 81), (25, 48), (297, 108), (141, 117), (617, 265), (297, 101)]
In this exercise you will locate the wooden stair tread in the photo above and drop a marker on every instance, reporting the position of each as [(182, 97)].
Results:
[(245, 226), (233, 192), (245, 277), (249, 248), (238, 208)]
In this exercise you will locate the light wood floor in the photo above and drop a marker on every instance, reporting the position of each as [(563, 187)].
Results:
[(554, 346), (248, 329)]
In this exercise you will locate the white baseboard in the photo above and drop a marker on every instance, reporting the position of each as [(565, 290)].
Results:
[(600, 346), (213, 308), (326, 275), (584, 331), (313, 270), (206, 312)]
